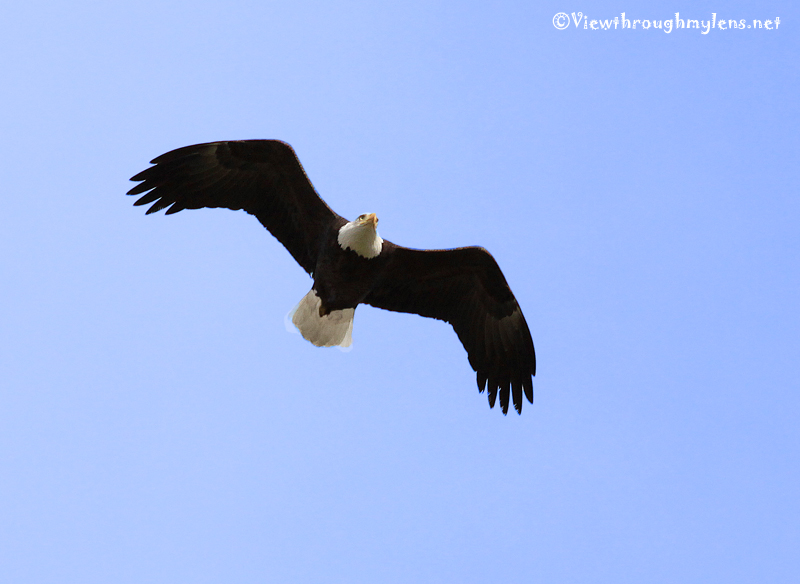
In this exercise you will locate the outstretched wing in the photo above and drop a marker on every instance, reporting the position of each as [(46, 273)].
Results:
[(466, 288), (262, 177)]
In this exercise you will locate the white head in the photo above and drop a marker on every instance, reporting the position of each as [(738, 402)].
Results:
[(362, 236)]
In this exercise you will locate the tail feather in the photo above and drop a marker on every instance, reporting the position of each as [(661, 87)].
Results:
[(335, 328)]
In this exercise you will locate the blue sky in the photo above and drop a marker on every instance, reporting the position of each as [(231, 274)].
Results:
[(638, 188)]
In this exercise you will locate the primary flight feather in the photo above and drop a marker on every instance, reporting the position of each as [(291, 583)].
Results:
[(349, 262)]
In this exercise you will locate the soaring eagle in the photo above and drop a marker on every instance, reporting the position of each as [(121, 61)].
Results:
[(348, 260)]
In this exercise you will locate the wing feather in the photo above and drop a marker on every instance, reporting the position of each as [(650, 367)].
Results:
[(262, 177), (466, 288)]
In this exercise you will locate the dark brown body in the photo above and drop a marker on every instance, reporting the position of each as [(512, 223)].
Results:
[(342, 278)]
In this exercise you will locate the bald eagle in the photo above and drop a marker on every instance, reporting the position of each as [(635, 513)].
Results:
[(349, 262)]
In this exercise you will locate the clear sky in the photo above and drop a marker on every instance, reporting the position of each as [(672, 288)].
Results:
[(638, 187)]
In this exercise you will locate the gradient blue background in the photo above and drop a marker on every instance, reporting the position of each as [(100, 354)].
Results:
[(639, 189)]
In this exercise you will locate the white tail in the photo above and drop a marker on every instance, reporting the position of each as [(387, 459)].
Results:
[(335, 328)]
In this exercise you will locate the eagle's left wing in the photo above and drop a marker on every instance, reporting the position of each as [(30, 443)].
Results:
[(466, 288)]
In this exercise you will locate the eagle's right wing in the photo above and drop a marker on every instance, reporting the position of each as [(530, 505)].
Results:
[(262, 177)]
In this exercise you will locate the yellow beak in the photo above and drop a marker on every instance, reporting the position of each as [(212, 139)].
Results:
[(370, 218)]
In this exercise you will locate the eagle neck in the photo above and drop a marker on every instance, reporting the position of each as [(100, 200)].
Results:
[(362, 239)]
